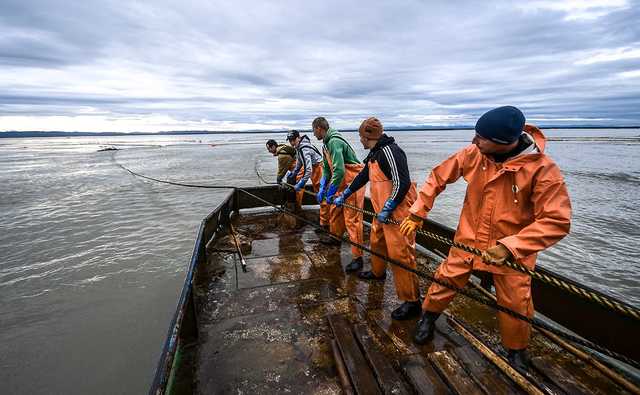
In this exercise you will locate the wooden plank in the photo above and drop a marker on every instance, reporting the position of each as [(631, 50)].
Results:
[(584, 356), (560, 377), (362, 377), (486, 374), (455, 375), (423, 377), (347, 388), (499, 362), (388, 378)]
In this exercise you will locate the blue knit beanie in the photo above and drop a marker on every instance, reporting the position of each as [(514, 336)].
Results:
[(502, 125)]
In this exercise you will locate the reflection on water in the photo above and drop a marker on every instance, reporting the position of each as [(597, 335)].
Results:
[(93, 258)]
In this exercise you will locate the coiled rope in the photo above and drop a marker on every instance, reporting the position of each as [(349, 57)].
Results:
[(493, 304), (554, 281)]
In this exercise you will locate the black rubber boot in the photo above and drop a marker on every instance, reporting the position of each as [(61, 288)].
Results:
[(354, 266), (518, 359), (407, 311), (425, 328), (368, 275)]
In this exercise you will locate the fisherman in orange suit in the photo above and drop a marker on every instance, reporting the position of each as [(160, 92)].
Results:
[(340, 167), (516, 205), (392, 193), (308, 166)]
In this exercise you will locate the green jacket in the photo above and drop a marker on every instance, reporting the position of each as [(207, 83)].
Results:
[(341, 153)]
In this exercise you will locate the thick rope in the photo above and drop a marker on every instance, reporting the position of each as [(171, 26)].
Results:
[(532, 321), (180, 184), (255, 168), (554, 281)]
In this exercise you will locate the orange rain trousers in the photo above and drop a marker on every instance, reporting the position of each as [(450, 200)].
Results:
[(387, 240), (299, 195), (316, 175), (522, 204), (512, 290), (343, 218)]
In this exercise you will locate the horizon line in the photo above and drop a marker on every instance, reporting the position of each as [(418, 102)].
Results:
[(61, 133)]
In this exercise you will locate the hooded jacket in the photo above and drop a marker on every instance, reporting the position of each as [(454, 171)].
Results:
[(340, 152), (307, 156), (393, 163), (521, 203)]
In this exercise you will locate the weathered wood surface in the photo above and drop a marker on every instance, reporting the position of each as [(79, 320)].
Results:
[(388, 378), (362, 377), (515, 375), (486, 374), (560, 377), (455, 375), (423, 377), (347, 388)]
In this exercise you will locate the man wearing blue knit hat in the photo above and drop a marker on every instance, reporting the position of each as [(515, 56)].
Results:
[(516, 205)]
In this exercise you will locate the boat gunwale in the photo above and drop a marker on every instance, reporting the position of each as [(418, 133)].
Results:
[(165, 362)]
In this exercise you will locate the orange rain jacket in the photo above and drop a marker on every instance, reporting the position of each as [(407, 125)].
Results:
[(522, 203)]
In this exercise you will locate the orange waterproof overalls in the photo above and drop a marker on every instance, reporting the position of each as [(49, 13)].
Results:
[(299, 195), (316, 175), (343, 218), (522, 204), (387, 240)]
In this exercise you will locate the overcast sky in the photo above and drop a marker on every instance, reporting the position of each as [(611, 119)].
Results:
[(100, 65)]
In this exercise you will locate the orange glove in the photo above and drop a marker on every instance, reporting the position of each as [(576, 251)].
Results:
[(410, 225), (496, 255)]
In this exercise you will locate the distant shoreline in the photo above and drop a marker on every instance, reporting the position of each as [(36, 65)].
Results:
[(27, 134)]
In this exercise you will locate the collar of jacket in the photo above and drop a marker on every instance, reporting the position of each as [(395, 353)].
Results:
[(330, 133), (382, 142), (530, 154), (304, 140)]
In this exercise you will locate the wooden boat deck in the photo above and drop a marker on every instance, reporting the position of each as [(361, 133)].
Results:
[(270, 330)]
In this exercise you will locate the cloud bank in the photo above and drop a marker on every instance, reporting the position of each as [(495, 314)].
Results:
[(102, 65)]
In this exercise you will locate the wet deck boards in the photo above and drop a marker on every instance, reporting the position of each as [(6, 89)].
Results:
[(269, 330)]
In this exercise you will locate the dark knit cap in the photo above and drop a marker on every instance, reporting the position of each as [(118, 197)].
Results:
[(502, 125), (293, 134)]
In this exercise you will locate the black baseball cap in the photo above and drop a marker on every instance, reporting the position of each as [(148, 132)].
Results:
[(293, 134)]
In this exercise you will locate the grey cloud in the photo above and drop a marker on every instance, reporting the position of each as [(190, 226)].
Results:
[(232, 61)]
